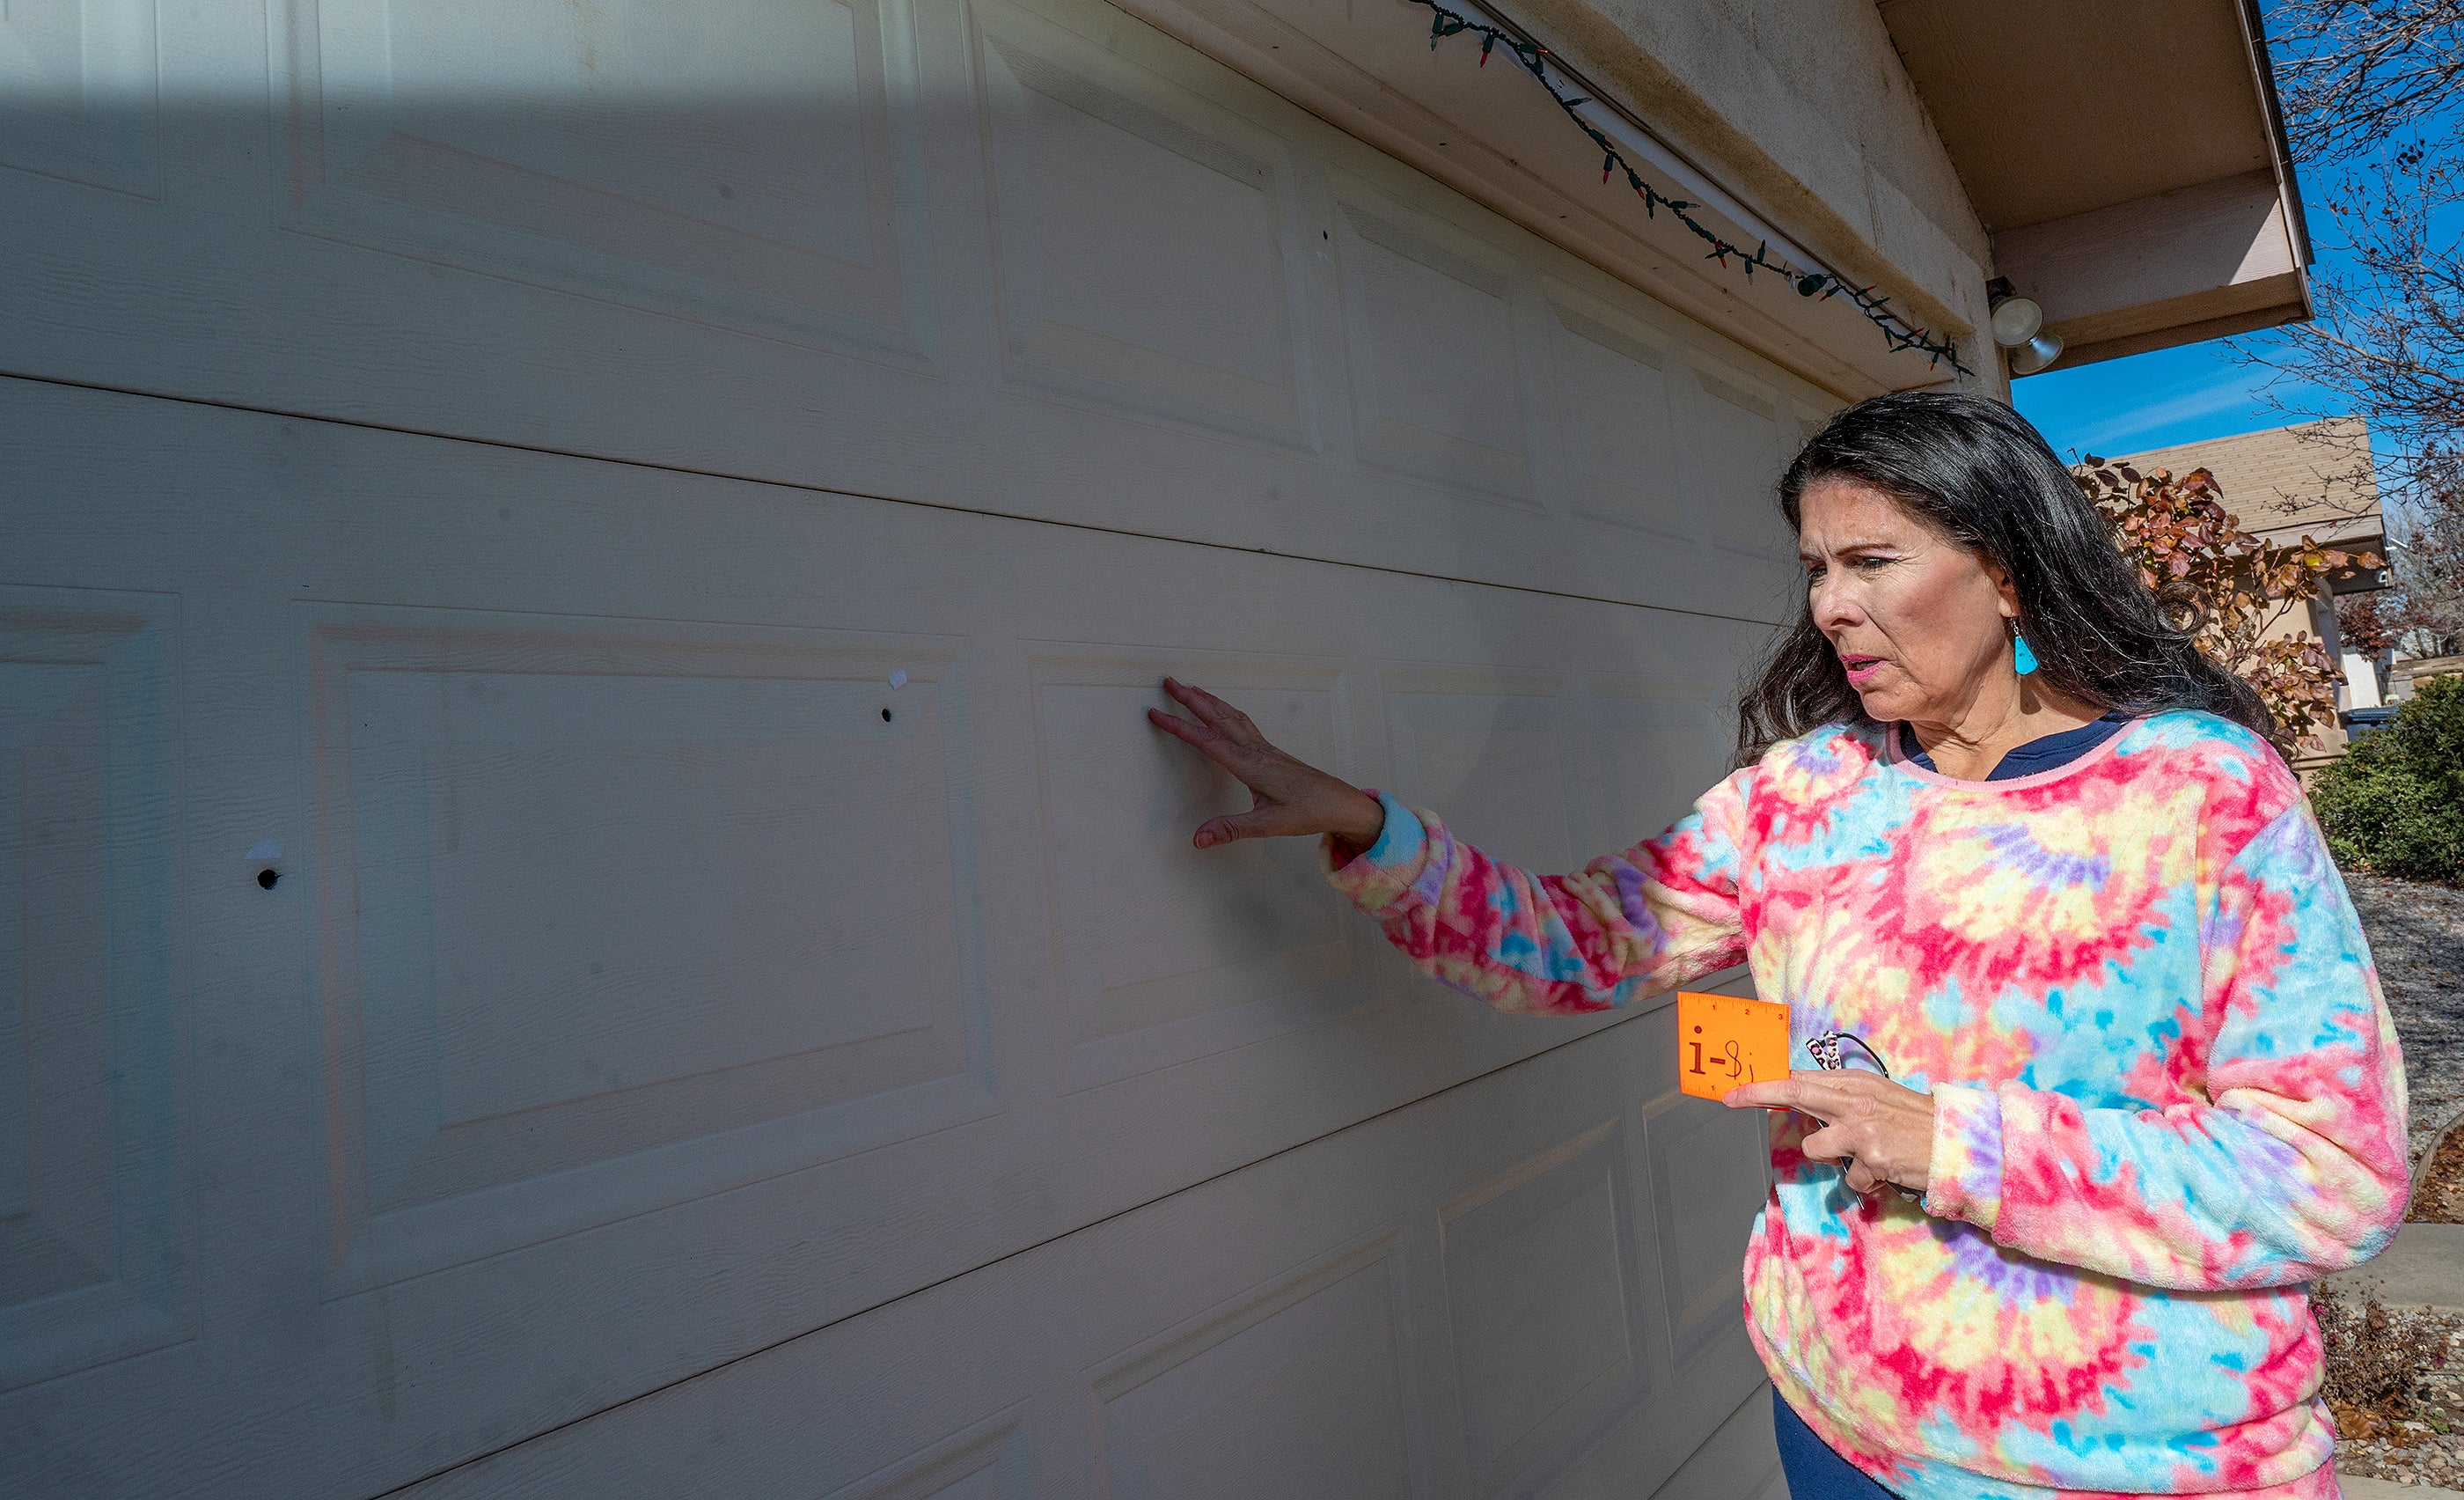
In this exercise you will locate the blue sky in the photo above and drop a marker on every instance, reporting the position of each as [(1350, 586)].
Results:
[(2159, 399)]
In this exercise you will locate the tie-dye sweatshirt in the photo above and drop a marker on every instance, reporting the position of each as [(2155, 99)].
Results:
[(2166, 1093)]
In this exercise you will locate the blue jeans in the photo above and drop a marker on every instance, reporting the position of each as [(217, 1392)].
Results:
[(1815, 1473)]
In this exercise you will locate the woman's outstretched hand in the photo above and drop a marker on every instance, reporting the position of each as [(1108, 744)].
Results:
[(1882, 1130), (1291, 796)]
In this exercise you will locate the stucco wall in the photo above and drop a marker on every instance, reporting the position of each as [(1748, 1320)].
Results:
[(1803, 108)]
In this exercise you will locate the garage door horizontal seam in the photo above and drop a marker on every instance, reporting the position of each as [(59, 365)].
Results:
[(1643, 1009), (691, 471)]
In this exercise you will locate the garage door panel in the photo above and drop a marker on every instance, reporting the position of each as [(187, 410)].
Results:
[(1168, 953), (80, 92), (1030, 257), (1733, 1454), (1301, 1327), (599, 901), (1738, 458), (1658, 744), (1432, 319), (1612, 402), (986, 1461), (505, 1191), (94, 1238), (1546, 1284), (1144, 238), (1298, 1389), (739, 164), (1709, 1169), (1491, 750)]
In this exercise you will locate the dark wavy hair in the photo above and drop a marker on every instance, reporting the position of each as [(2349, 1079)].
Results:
[(1977, 472)]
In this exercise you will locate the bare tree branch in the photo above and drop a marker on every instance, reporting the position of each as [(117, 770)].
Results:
[(2388, 336), (2373, 98), (2352, 73)]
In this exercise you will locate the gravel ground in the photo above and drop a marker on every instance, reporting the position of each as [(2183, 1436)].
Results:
[(2416, 933), (2413, 1451)]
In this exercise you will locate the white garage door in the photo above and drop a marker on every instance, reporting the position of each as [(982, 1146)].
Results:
[(484, 466)]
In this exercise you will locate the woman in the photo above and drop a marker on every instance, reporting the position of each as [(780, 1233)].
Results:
[(2000, 823)]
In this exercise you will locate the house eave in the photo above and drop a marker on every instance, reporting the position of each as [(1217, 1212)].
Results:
[(2048, 110)]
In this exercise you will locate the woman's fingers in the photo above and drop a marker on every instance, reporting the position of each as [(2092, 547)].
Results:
[(1211, 710), (1197, 700), (1206, 740), (1824, 1094), (1258, 823), (1779, 1093), (1837, 1143), (1267, 772), (1293, 798), (1241, 760), (1884, 1130), (1830, 1143)]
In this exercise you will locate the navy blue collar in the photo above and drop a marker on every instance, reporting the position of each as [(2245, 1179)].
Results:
[(2043, 754)]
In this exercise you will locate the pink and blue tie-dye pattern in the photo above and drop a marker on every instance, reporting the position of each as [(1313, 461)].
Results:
[(2167, 1091)]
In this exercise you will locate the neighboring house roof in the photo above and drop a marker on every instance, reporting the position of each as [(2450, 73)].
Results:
[(2312, 478)]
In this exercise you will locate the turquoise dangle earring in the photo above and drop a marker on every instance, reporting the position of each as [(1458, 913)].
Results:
[(2021, 657)]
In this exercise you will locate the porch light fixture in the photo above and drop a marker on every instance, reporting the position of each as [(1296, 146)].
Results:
[(2035, 354), (2018, 325)]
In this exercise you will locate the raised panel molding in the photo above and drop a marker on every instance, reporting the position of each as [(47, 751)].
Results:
[(1544, 1287), (1357, 1317), (1299, 1389), (777, 971), (1711, 1171), (1615, 411), (1736, 461), (1167, 952), (93, 1201), (986, 1461), (80, 92), (750, 163), (1431, 322), (1489, 749), (1143, 236), (1660, 747)]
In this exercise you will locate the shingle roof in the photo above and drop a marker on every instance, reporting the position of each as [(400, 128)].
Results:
[(2312, 477)]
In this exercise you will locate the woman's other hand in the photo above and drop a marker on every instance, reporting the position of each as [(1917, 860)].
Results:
[(1882, 1130), (1291, 796)]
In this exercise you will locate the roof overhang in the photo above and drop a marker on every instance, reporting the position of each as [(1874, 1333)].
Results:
[(2127, 157), (1493, 134)]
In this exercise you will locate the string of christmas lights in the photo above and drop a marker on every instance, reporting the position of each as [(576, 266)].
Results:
[(1900, 334)]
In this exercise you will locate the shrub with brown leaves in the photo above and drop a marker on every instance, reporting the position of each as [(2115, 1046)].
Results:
[(2224, 584)]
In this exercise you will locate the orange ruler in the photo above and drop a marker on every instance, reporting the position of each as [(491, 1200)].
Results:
[(1723, 1041)]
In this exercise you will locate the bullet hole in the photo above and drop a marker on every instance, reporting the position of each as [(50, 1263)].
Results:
[(885, 716), (1323, 235), (265, 879)]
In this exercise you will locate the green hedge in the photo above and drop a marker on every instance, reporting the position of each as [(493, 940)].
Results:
[(2395, 802)]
